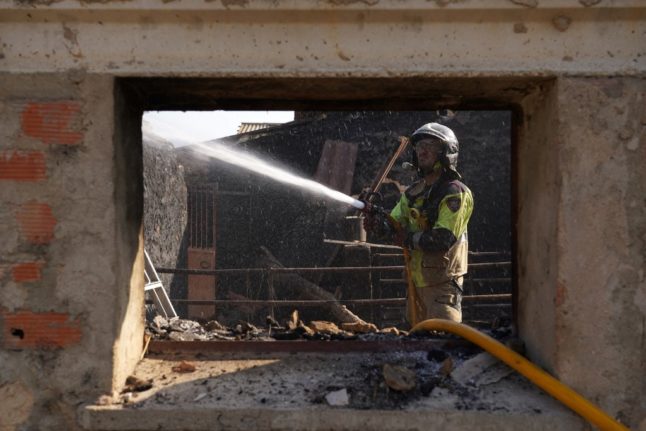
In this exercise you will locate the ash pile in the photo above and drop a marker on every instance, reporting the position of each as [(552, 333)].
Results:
[(453, 374), (176, 329)]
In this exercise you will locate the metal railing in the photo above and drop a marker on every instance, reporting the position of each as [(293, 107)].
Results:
[(269, 272)]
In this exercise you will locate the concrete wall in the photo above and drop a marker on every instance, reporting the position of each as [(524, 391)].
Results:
[(601, 239), (581, 236), (70, 168), (538, 205), (69, 329)]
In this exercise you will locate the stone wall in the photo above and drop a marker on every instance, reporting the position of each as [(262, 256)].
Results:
[(164, 204)]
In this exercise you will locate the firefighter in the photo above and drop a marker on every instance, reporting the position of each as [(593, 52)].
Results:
[(433, 215)]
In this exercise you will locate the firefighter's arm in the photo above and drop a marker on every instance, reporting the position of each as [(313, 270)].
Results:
[(453, 216)]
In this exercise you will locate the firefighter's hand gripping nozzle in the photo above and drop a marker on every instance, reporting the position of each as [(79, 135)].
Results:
[(376, 218), (368, 203)]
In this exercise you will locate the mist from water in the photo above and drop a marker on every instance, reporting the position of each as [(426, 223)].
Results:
[(254, 164)]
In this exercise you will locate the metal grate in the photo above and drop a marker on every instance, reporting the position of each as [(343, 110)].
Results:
[(201, 216)]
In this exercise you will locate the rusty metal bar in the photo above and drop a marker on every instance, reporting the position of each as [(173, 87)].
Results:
[(248, 292), (272, 294), (497, 305), (396, 247), (214, 219), (489, 265), (320, 302), (291, 303), (389, 255), (338, 241), (472, 280), (196, 214), (392, 280), (488, 253), (202, 221), (490, 297), (203, 218), (275, 270), (280, 346), (190, 213), (196, 210), (311, 270), (194, 218), (471, 253)]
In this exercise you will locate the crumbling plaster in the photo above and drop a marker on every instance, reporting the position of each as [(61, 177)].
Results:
[(580, 242)]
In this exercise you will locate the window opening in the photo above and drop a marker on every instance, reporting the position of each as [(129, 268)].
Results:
[(246, 257)]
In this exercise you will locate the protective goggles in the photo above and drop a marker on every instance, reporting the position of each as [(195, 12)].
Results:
[(434, 145)]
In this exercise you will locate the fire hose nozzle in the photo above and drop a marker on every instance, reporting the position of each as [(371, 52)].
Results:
[(368, 202), (371, 208), (359, 204)]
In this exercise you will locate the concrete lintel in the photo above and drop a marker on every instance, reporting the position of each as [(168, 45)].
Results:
[(148, 38), (315, 5)]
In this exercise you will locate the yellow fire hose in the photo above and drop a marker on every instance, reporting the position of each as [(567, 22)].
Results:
[(540, 378)]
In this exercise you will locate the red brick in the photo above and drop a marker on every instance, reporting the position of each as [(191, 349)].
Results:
[(22, 166), (36, 222), (561, 294), (52, 122), (25, 272), (29, 330)]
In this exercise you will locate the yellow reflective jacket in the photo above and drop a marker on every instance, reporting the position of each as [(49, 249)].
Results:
[(438, 215)]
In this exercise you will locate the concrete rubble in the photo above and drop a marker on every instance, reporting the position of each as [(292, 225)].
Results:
[(338, 398), (482, 369), (399, 378)]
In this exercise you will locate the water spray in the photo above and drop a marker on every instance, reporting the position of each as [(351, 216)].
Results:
[(249, 162), (254, 164)]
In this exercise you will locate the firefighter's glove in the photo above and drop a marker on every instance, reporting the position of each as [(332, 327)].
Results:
[(375, 223)]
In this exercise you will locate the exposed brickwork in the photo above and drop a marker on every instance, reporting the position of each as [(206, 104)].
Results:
[(29, 330), (52, 122), (25, 272), (22, 166), (561, 294), (36, 222)]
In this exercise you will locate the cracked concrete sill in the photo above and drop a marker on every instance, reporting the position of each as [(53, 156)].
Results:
[(288, 392), (97, 418)]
